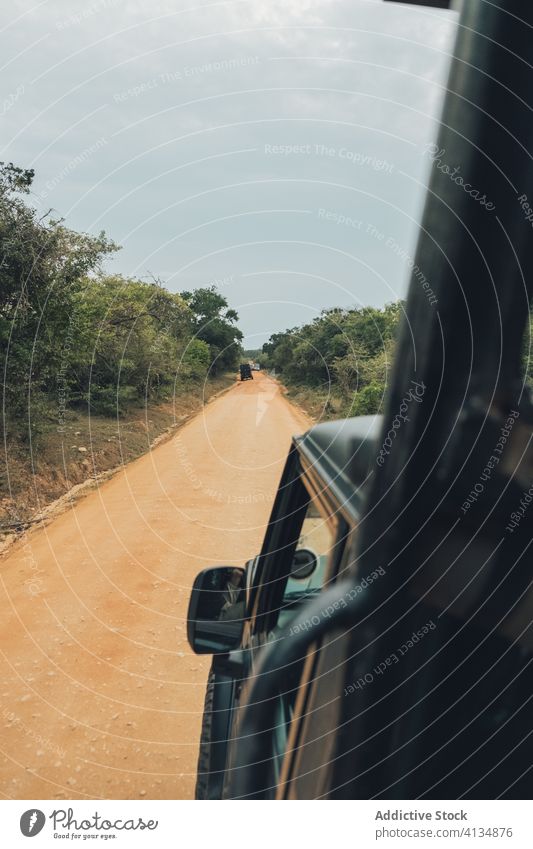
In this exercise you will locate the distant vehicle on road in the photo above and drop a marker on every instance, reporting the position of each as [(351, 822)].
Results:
[(256, 367), (246, 371)]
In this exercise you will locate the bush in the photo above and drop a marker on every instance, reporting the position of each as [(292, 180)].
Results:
[(111, 400), (369, 400)]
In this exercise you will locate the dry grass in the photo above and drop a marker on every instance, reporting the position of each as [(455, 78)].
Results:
[(320, 404), (35, 475)]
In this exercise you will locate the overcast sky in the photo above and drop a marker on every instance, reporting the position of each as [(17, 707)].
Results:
[(273, 148)]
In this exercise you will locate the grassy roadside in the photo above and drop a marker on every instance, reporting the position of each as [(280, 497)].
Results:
[(320, 404), (33, 476)]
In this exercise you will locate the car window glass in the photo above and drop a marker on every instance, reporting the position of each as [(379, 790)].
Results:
[(309, 562), (311, 554)]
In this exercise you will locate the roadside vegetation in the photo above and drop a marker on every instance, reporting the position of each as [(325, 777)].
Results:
[(338, 364), (83, 352)]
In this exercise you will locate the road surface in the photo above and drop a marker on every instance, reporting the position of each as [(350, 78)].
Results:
[(100, 694)]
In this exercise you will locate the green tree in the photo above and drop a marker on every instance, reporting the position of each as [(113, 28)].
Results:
[(214, 322), (130, 338), (369, 400), (348, 349), (41, 266)]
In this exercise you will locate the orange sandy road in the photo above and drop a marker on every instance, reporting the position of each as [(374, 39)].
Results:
[(100, 694)]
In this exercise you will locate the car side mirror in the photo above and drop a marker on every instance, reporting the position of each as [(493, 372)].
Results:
[(215, 618), (304, 564)]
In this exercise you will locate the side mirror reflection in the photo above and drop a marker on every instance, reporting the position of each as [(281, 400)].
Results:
[(216, 610)]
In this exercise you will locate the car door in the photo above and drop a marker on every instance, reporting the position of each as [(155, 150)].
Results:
[(302, 554), (320, 707), (317, 714)]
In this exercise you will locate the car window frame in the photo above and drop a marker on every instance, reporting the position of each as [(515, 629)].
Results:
[(297, 489)]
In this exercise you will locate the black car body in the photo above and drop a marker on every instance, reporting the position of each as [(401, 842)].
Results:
[(245, 371)]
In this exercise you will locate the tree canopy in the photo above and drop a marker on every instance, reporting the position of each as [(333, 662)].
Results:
[(215, 324), (347, 349), (72, 335)]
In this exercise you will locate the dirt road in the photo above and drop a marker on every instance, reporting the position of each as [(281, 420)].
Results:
[(100, 695)]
